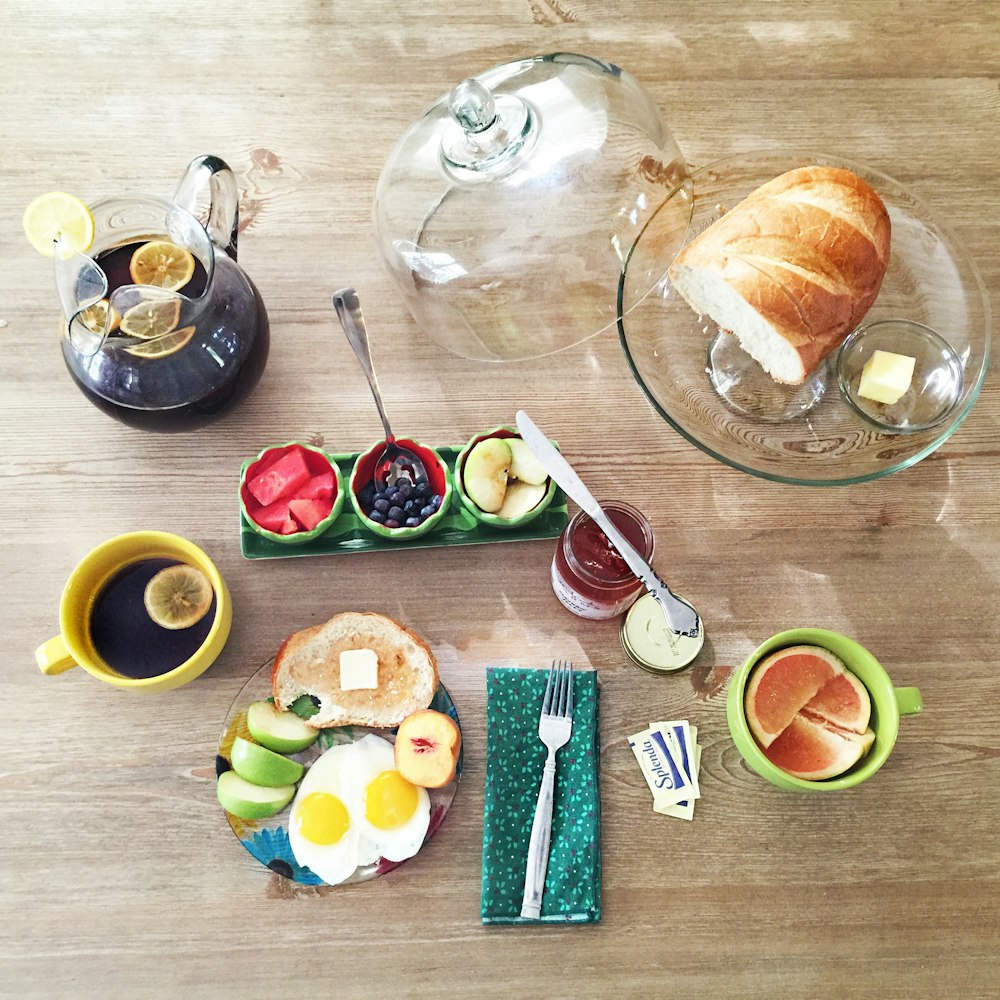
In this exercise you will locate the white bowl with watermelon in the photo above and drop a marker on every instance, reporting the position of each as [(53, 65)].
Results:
[(291, 493)]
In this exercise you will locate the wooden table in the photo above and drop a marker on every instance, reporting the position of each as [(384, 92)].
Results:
[(121, 877)]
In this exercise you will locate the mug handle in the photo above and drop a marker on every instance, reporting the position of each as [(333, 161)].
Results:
[(908, 700), (53, 657), (223, 199)]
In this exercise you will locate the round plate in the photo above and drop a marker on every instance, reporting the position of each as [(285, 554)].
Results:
[(267, 839), (718, 398)]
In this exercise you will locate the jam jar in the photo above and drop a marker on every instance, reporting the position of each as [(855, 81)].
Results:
[(589, 577)]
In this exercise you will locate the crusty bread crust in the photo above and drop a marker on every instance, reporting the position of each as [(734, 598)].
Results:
[(308, 662), (806, 251)]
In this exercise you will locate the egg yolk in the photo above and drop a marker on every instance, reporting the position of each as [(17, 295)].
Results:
[(390, 800), (322, 818)]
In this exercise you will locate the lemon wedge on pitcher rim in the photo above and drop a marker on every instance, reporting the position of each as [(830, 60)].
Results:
[(58, 221)]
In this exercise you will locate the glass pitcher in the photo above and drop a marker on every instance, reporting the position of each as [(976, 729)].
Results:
[(160, 358)]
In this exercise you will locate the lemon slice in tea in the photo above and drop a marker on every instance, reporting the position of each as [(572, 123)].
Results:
[(163, 264), (178, 597), (164, 345), (151, 318), (57, 219), (94, 317)]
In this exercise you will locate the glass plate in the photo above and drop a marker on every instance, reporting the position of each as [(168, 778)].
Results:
[(267, 839), (718, 398), (457, 527)]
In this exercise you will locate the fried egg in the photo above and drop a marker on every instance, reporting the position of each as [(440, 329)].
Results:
[(324, 834), (390, 812)]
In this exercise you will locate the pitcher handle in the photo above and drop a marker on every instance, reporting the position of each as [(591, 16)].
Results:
[(224, 199)]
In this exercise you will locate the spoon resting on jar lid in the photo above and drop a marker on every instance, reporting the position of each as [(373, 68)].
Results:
[(396, 462), (681, 618)]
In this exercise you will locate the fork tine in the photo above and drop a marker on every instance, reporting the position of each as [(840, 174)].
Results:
[(549, 688), (564, 679), (569, 705)]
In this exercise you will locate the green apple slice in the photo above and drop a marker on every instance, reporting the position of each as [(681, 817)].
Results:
[(283, 732), (485, 473), (249, 801), (524, 466), (263, 766), (520, 498)]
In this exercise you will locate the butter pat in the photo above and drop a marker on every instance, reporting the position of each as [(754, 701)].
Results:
[(358, 669), (886, 376)]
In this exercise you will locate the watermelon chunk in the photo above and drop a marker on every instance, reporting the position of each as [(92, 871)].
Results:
[(271, 517), (281, 479), (318, 488), (310, 512), (289, 527)]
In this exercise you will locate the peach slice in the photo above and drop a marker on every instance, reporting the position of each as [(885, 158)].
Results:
[(427, 748)]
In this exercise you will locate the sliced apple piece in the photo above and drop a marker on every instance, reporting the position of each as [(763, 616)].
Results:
[(520, 498), (262, 766), (485, 473), (279, 730), (249, 801), (524, 466)]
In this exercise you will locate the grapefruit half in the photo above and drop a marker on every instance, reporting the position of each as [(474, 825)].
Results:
[(784, 683), (811, 750)]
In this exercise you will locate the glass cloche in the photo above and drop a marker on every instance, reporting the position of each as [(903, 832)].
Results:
[(507, 212)]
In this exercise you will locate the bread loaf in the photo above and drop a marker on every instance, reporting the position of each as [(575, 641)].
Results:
[(792, 269), (308, 663)]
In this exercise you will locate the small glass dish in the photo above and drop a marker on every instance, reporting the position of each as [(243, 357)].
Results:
[(494, 520), (936, 386), (362, 481)]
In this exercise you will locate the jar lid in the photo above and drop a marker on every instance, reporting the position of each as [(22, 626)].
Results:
[(507, 213), (651, 644)]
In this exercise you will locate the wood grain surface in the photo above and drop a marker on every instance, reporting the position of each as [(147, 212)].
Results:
[(121, 877)]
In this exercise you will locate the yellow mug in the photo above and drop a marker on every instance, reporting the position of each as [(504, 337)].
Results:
[(74, 645)]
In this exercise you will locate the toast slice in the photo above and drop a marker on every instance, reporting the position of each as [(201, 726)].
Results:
[(308, 663)]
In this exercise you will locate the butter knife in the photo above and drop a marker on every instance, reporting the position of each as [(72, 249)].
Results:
[(681, 618)]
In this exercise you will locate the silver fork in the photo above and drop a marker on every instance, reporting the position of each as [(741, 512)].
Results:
[(554, 727)]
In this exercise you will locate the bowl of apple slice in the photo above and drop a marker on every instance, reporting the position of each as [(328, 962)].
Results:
[(499, 481)]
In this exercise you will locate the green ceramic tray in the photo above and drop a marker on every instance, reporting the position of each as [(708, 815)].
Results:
[(458, 527)]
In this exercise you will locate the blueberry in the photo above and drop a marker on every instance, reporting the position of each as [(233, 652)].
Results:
[(392, 523), (410, 506), (413, 522), (381, 504), (393, 496), (367, 495), (377, 516), (396, 513), (423, 490), (436, 500), (427, 511), (404, 489)]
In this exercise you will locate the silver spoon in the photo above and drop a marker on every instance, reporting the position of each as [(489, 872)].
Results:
[(397, 461)]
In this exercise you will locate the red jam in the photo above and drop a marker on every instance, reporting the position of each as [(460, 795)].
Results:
[(588, 575)]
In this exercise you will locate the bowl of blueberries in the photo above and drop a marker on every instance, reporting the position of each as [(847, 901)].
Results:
[(401, 510)]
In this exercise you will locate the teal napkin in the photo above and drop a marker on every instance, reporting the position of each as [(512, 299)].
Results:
[(515, 757)]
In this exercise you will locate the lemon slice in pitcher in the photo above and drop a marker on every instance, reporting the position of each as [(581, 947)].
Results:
[(95, 317), (178, 597), (151, 318), (163, 264), (57, 219), (162, 346)]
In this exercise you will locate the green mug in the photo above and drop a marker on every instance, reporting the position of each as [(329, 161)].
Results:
[(888, 704)]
